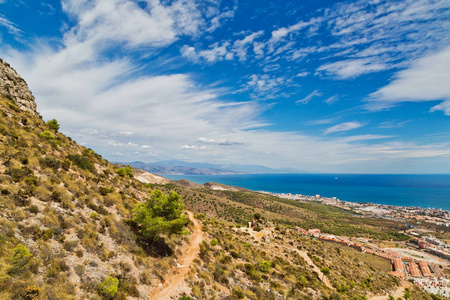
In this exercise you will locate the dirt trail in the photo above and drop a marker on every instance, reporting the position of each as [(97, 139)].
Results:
[(175, 282), (316, 269), (399, 292)]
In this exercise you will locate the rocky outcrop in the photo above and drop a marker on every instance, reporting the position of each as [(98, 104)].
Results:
[(16, 89)]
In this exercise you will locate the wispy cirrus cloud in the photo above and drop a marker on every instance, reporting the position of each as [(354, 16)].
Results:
[(393, 124), (281, 33), (346, 126), (331, 100), (308, 98), (12, 28)]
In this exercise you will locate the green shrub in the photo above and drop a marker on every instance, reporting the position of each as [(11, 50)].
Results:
[(82, 162), (18, 174), (47, 135), (343, 288), (325, 271), (33, 209), (302, 281), (109, 287), (50, 162), (264, 266), (20, 259), (214, 242), (125, 171), (103, 190), (53, 124), (239, 293)]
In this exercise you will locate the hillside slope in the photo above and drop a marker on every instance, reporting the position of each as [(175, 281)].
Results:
[(65, 230), (64, 212)]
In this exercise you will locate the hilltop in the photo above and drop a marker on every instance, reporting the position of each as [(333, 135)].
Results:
[(68, 229)]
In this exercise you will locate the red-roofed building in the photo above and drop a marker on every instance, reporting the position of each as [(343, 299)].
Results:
[(398, 265), (413, 270), (424, 269)]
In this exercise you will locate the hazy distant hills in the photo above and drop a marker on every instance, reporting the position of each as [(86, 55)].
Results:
[(178, 167)]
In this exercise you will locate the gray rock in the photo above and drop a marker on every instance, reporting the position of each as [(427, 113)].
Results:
[(13, 86)]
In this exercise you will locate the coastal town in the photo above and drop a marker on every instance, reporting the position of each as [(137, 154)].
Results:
[(412, 216), (421, 259), (424, 270)]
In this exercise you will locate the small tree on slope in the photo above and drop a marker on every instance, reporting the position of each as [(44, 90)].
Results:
[(160, 215)]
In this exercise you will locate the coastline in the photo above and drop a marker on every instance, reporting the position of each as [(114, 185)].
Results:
[(416, 191)]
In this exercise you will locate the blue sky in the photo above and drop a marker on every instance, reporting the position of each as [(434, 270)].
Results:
[(328, 86)]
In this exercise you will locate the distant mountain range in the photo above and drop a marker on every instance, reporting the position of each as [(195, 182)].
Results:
[(178, 167)]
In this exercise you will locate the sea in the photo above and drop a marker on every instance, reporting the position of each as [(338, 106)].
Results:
[(427, 191)]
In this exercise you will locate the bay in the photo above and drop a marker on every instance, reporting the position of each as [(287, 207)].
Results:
[(427, 191)]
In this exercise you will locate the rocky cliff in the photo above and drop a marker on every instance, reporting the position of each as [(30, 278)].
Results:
[(16, 89)]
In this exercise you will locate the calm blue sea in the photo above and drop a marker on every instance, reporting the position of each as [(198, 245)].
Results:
[(402, 190)]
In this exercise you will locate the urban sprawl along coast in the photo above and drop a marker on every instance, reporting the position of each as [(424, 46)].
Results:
[(420, 259)]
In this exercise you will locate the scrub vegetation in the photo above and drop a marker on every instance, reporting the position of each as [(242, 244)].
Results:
[(74, 226)]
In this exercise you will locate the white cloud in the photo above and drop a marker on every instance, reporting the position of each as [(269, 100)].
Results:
[(425, 80), (346, 126), (309, 97), (365, 137), (127, 23), (124, 133), (216, 22), (352, 68), (332, 99), (393, 124), (240, 47), (190, 53), (220, 142), (215, 52), (192, 147), (121, 21), (322, 121), (265, 86), (444, 106), (221, 51), (281, 33), (11, 27), (385, 33), (302, 74), (76, 84)]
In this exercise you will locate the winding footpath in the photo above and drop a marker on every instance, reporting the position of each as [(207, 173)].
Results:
[(175, 283), (398, 293), (315, 268)]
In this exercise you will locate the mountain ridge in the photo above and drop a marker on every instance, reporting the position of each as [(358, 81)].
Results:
[(178, 167)]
